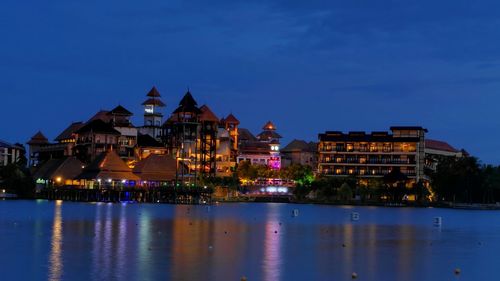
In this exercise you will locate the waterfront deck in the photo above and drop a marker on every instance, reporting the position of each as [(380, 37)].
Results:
[(178, 195)]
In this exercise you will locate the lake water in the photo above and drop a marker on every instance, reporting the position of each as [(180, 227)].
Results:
[(46, 240)]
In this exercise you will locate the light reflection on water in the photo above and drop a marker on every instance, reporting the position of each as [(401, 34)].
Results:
[(56, 264), (77, 241)]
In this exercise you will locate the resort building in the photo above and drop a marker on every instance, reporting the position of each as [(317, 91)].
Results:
[(300, 152), (201, 142), (263, 149), (153, 116), (35, 145), (436, 150), (10, 153), (376, 154)]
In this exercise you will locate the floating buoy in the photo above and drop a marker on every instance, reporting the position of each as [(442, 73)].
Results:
[(210, 247), (344, 245), (354, 216), (243, 278), (295, 213), (438, 221), (225, 232), (275, 231), (457, 271), (354, 275)]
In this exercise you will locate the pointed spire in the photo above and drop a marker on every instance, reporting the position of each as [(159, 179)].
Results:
[(188, 104), (269, 126), (154, 93)]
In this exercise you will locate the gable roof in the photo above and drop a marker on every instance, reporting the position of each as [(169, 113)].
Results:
[(108, 165), (207, 114), (268, 135), (38, 138), (98, 126), (66, 168), (69, 131), (120, 110), (156, 168), (230, 119), (298, 145), (245, 135), (101, 115), (154, 101), (439, 145)]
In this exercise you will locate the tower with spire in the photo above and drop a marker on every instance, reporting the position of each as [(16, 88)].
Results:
[(153, 116), (181, 135)]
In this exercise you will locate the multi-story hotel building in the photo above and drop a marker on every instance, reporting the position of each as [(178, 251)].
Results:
[(369, 155)]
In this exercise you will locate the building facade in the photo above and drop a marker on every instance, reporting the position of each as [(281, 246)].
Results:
[(263, 149), (300, 152), (10, 153), (371, 155)]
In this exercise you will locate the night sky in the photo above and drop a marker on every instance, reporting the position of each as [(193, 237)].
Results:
[(309, 66)]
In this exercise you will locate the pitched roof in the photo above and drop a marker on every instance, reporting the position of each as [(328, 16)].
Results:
[(153, 101), (5, 144), (98, 126), (207, 114), (245, 135), (148, 141), (188, 104), (38, 138), (439, 145), (230, 119), (66, 168), (101, 115), (269, 126), (297, 145), (268, 135), (69, 131), (120, 110), (153, 93), (156, 168), (108, 165)]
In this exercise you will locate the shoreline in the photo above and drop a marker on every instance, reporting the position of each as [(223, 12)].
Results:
[(215, 201)]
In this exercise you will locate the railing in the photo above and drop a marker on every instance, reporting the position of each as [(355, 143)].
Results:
[(366, 173), (368, 162)]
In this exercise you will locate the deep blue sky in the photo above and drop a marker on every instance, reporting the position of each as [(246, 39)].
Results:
[(309, 66)]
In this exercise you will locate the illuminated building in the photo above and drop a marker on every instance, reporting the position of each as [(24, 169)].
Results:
[(95, 138), (153, 117), (127, 141), (227, 145), (373, 155), (263, 149)]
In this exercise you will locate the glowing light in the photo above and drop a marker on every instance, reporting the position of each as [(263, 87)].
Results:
[(99, 180), (109, 180), (58, 179), (124, 181)]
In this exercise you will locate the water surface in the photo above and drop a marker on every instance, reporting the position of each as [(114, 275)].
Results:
[(47, 240)]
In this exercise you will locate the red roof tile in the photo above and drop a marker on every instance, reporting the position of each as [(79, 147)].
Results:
[(207, 114), (439, 145)]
